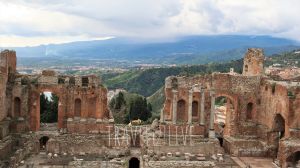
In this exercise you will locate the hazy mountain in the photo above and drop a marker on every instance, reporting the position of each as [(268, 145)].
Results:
[(191, 49)]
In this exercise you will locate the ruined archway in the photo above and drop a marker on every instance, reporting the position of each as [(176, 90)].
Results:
[(294, 159), (48, 111), (134, 162), (224, 109), (278, 131), (181, 111), (279, 125)]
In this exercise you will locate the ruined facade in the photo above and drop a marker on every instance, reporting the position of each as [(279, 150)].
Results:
[(262, 120), (82, 106), (262, 116)]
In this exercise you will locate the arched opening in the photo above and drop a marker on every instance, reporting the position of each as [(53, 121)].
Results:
[(43, 142), (224, 107), (246, 68), (48, 110), (249, 111), (279, 125), (293, 160), (134, 162), (278, 131), (195, 109), (17, 107), (77, 108), (181, 111)]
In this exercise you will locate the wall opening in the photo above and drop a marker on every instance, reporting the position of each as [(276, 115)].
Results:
[(85, 81), (43, 142), (134, 162), (246, 68), (278, 131), (17, 107), (224, 107), (293, 160), (249, 111), (181, 111), (48, 109), (77, 108), (195, 108), (279, 125)]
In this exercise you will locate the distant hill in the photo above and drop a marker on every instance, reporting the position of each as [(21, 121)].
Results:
[(146, 82), (183, 50)]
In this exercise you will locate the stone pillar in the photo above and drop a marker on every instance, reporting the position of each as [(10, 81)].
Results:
[(190, 108), (202, 106), (212, 115), (174, 106), (162, 115)]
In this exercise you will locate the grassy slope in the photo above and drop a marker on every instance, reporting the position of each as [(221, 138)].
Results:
[(157, 101)]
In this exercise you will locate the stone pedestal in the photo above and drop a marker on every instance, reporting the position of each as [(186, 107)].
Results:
[(211, 134), (4, 129)]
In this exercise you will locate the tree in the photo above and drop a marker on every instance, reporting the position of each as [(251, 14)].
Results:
[(48, 108), (119, 101), (139, 109)]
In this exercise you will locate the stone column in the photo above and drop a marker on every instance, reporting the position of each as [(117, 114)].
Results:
[(190, 108), (202, 106), (174, 105), (212, 114), (162, 115)]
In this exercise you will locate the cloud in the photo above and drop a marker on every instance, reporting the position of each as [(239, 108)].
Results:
[(70, 19)]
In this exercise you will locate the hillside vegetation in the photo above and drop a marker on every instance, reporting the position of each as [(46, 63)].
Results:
[(147, 82), (126, 107)]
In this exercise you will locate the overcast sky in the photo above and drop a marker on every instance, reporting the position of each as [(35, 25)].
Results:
[(34, 22)]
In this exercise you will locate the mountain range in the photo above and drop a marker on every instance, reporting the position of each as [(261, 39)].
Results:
[(182, 50)]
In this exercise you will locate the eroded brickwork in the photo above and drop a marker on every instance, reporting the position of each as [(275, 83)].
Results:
[(262, 116)]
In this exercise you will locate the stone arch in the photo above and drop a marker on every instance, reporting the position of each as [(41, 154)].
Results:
[(279, 125), (17, 107), (195, 108), (77, 107), (35, 106), (181, 108), (134, 162), (278, 131), (231, 112), (249, 111), (294, 159)]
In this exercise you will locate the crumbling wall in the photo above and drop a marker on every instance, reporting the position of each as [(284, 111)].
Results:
[(253, 62)]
